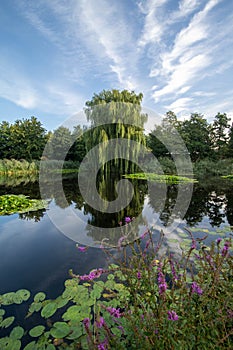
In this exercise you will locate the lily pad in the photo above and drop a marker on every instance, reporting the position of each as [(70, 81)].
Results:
[(11, 204), (36, 331), (60, 330)]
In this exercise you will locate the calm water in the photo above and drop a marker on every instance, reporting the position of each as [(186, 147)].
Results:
[(36, 254)]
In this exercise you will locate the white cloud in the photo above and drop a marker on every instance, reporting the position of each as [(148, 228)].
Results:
[(153, 27), (180, 105), (184, 64)]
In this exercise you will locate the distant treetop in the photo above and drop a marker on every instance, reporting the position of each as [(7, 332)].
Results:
[(107, 96)]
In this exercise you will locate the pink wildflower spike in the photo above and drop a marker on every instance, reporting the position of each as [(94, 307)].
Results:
[(127, 219), (172, 316), (139, 275), (81, 249)]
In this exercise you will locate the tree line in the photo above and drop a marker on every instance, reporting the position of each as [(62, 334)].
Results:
[(26, 138)]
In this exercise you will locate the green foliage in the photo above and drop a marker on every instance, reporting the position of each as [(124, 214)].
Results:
[(208, 167), (172, 179), (149, 300), (10, 204), (25, 139)]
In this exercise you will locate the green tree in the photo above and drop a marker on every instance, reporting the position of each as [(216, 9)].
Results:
[(4, 139), (78, 149), (25, 139), (219, 133), (230, 143), (59, 144), (115, 114), (163, 134), (196, 134)]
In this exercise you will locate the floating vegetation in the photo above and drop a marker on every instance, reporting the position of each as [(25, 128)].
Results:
[(11, 204), (173, 179), (230, 177)]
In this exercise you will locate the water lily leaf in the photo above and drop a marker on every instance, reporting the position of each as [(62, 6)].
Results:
[(8, 298), (73, 313), (10, 344), (60, 330), (2, 312), (49, 310), (36, 331), (39, 297), (7, 322), (21, 295), (31, 346), (76, 331), (50, 347), (35, 307), (61, 302), (17, 333)]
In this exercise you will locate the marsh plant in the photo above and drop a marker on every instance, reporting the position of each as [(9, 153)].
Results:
[(145, 299)]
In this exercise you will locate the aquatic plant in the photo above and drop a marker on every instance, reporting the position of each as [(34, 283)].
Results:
[(174, 179), (11, 203), (146, 300)]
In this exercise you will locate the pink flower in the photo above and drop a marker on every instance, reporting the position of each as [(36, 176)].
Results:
[(114, 312), (81, 249), (196, 289), (99, 322), (127, 219), (172, 316), (139, 275)]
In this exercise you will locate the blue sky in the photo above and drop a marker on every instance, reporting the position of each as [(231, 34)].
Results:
[(55, 54)]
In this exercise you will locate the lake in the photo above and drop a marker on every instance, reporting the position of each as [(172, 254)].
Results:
[(37, 249)]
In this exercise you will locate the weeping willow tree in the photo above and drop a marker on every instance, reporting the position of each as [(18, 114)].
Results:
[(117, 115)]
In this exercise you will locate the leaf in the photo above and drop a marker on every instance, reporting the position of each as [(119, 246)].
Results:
[(73, 313), (61, 302), (39, 297), (60, 330), (31, 346), (49, 310), (21, 295), (36, 331), (17, 333), (76, 331), (8, 298), (2, 312), (50, 347), (7, 322), (35, 307)]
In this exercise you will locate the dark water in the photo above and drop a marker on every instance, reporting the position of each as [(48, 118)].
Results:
[(37, 254)]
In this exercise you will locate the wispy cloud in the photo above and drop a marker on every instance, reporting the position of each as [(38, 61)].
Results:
[(185, 63), (153, 24)]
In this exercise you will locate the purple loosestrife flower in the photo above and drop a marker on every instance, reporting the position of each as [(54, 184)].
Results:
[(196, 289), (172, 316), (225, 248), (144, 234), (99, 322), (86, 322), (103, 345), (127, 219), (92, 275), (121, 239), (114, 312), (81, 249), (139, 275), (194, 244), (161, 281), (218, 241)]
